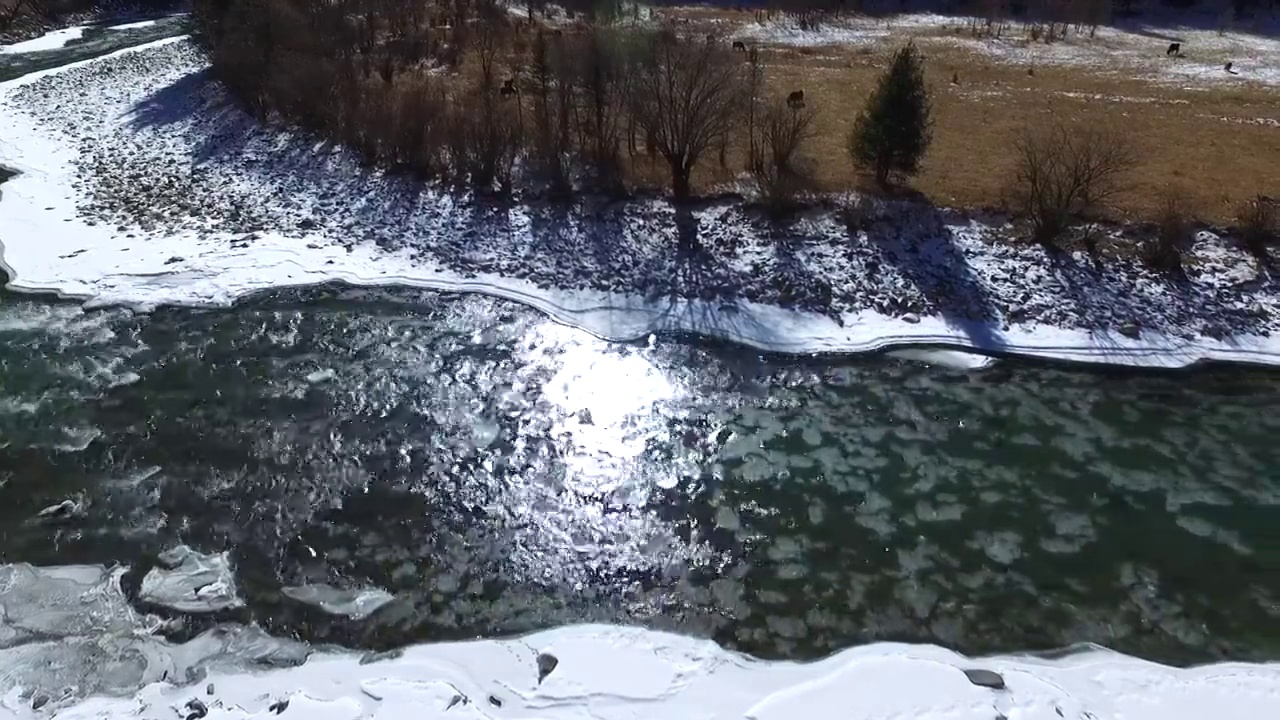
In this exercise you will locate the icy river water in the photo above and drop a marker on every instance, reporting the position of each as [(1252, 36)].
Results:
[(498, 473)]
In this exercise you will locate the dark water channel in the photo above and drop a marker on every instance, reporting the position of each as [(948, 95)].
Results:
[(499, 473)]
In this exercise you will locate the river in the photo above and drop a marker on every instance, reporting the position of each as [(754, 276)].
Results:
[(499, 472)]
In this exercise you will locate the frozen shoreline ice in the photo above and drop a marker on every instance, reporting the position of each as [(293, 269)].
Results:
[(90, 647)]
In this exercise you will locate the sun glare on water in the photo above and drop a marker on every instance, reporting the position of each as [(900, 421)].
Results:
[(606, 404), (612, 400)]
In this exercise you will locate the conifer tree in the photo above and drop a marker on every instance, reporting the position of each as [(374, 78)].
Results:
[(893, 131)]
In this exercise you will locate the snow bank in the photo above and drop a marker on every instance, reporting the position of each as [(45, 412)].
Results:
[(253, 216), (48, 41), (603, 672), (71, 647)]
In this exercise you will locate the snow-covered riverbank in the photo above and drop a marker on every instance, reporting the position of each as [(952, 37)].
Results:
[(610, 672), (150, 188), (71, 647)]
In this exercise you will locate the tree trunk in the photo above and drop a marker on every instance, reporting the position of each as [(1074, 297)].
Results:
[(679, 181), (882, 174)]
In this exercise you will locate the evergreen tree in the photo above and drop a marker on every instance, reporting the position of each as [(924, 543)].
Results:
[(892, 132)]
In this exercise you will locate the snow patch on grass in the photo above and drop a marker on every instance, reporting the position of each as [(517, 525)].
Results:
[(1132, 49)]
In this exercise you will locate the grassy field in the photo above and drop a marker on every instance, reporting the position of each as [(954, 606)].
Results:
[(1211, 135)]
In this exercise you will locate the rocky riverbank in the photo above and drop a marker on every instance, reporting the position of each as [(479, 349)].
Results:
[(172, 187)]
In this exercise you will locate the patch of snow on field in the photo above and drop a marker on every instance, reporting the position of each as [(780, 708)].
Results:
[(48, 41), (787, 31), (852, 30), (609, 673), (1265, 122), (151, 189), (1135, 49), (1098, 97)]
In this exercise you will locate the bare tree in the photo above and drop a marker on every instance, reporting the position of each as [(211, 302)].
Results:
[(600, 78), (685, 94), (991, 19), (488, 40), (551, 95), (1064, 173), (755, 83), (780, 173)]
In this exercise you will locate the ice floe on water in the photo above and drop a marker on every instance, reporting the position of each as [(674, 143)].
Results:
[(187, 581), (356, 604), (70, 632)]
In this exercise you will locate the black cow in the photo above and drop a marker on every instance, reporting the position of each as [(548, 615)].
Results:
[(795, 100), (1174, 49)]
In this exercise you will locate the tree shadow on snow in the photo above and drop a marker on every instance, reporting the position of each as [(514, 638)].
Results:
[(1125, 298), (919, 241), (695, 290)]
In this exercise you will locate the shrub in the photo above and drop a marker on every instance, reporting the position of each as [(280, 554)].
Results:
[(482, 143), (781, 173), (549, 89), (892, 133), (1064, 173), (1174, 227), (858, 213), (1259, 221)]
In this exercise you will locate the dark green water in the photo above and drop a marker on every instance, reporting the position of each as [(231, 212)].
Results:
[(499, 473)]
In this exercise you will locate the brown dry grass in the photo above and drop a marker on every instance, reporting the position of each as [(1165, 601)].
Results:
[(1178, 133)]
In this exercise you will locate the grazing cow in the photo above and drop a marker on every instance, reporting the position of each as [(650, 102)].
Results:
[(1174, 49), (739, 45), (795, 100), (711, 39), (508, 88)]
